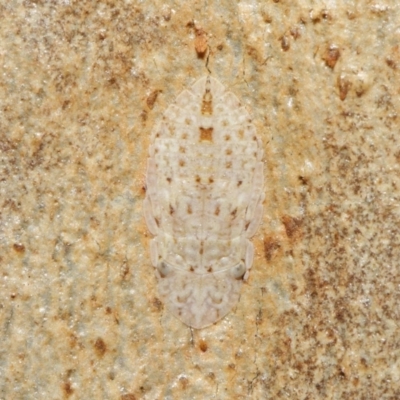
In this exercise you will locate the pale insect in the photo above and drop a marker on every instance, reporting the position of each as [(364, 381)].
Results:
[(203, 201)]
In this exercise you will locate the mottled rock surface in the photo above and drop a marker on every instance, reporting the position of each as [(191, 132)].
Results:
[(81, 86)]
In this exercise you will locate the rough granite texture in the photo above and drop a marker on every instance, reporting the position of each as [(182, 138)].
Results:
[(81, 86)]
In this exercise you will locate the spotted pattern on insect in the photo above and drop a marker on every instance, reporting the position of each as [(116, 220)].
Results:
[(203, 201)]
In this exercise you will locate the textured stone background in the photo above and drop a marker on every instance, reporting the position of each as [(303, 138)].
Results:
[(81, 86)]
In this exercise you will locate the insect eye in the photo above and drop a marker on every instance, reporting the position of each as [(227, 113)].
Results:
[(238, 271)]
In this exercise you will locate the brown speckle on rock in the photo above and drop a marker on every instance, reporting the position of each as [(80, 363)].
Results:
[(184, 382), (303, 180), (391, 63), (100, 347), (143, 116), (19, 248), (67, 388), (157, 304), (331, 56), (285, 43), (128, 396), (203, 345), (151, 99), (343, 85)]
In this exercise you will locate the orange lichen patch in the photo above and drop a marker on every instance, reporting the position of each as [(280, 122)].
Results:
[(292, 226), (270, 247), (206, 134)]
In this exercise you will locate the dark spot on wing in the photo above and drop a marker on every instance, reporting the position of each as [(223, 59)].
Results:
[(206, 105), (206, 134), (171, 209), (239, 183)]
